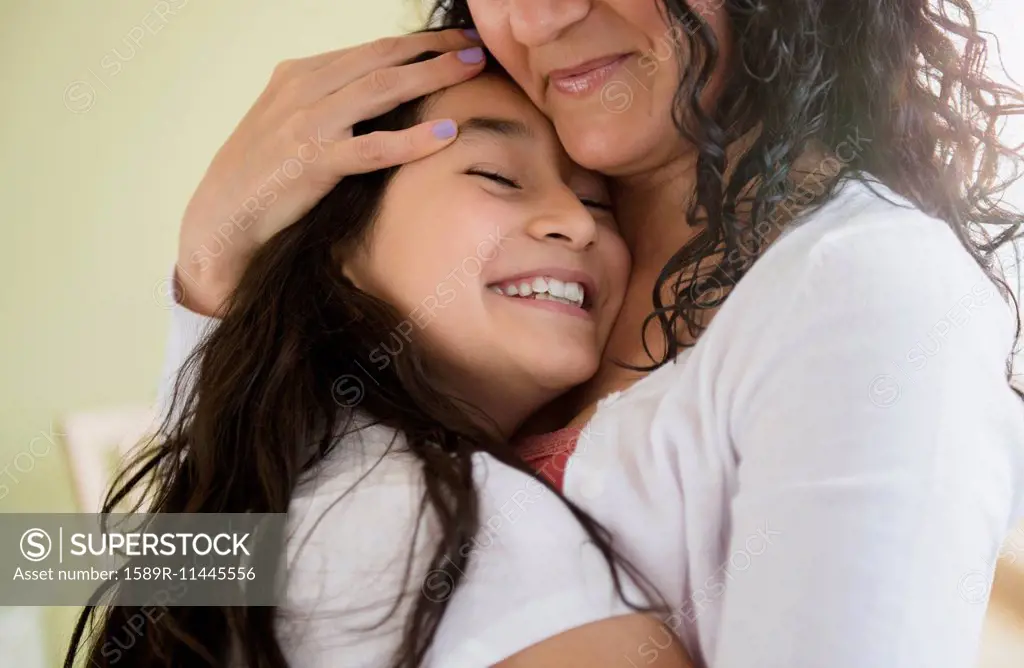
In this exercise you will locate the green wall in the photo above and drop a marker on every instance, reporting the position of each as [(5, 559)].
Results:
[(110, 113)]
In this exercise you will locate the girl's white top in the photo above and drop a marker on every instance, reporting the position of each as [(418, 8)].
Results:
[(825, 479)]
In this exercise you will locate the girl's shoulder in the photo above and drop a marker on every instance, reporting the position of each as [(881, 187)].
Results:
[(367, 452), (362, 543)]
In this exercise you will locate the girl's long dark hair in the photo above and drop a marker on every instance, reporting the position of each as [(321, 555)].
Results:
[(891, 91), (263, 400)]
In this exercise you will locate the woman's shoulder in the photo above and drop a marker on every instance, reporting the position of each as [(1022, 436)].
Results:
[(864, 225), (867, 251), (865, 299)]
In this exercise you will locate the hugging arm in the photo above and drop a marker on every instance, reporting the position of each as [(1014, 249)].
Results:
[(296, 143), (305, 116), (604, 644), (880, 442)]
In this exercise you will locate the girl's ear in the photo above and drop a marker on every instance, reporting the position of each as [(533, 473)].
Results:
[(356, 272), (353, 263), (352, 276)]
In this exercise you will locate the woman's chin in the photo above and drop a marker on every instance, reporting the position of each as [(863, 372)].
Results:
[(613, 146)]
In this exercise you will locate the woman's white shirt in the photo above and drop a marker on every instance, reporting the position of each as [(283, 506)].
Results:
[(823, 480), (826, 477)]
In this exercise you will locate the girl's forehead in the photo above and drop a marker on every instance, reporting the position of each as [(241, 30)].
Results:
[(487, 95), (495, 107)]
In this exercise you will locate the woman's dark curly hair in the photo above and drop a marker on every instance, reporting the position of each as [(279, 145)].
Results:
[(907, 75)]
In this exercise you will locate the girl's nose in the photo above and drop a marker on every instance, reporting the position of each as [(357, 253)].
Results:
[(566, 221)]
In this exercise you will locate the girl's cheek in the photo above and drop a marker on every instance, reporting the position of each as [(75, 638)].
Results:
[(490, 225)]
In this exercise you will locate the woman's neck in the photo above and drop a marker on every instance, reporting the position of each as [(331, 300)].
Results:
[(650, 208), (651, 205), (651, 211)]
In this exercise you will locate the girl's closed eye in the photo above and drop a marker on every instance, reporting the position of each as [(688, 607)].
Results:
[(595, 204), (509, 182), (495, 177)]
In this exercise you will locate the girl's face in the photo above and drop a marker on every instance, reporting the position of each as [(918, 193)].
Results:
[(501, 254), (604, 71)]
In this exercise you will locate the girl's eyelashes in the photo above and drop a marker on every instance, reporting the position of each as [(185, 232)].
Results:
[(496, 177), (512, 183), (603, 206)]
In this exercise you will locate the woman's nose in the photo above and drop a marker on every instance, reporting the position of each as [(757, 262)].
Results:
[(536, 22), (565, 221)]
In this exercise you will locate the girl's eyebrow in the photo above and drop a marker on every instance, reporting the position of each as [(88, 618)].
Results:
[(495, 127)]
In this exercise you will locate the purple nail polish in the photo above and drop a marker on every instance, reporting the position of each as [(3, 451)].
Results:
[(444, 129), (471, 56), (472, 34)]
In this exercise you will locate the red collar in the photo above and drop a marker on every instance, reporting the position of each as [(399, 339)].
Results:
[(548, 454)]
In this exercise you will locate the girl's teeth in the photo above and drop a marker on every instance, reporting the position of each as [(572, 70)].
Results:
[(549, 289), (544, 296)]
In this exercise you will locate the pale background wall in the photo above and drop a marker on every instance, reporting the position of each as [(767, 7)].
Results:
[(98, 163), (102, 143)]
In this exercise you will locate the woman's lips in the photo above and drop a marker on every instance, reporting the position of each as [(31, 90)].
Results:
[(586, 77)]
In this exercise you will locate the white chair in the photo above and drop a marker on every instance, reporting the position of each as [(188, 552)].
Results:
[(97, 443), (23, 636)]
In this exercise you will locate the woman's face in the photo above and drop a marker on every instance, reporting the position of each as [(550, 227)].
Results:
[(500, 253), (604, 71)]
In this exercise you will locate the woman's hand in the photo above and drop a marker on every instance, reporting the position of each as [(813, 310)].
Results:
[(296, 143)]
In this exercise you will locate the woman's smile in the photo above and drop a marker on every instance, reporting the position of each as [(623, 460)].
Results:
[(585, 78)]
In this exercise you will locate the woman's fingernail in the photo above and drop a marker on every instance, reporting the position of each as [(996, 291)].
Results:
[(471, 56), (445, 129), (472, 34)]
